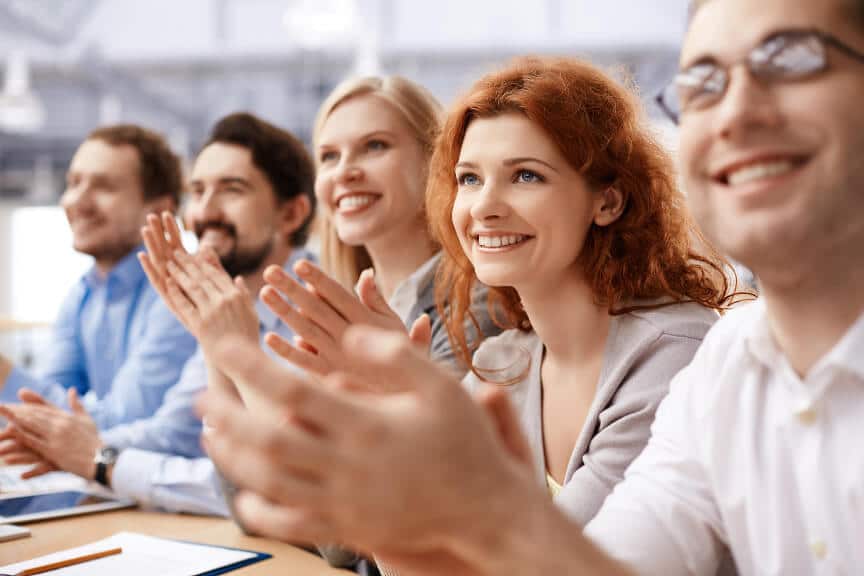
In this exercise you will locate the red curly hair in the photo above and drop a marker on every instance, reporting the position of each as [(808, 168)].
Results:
[(649, 253)]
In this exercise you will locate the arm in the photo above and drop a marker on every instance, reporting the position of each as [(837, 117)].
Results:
[(625, 425), (662, 519), (170, 483), (173, 428)]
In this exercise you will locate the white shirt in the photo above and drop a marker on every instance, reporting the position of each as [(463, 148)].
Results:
[(745, 454)]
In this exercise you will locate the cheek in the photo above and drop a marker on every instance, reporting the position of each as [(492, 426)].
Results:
[(324, 189)]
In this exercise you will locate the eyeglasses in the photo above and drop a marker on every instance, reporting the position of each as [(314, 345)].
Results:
[(784, 56)]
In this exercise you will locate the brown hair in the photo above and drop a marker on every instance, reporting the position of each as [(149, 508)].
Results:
[(160, 171), (278, 154), (854, 7), (647, 254), (423, 114)]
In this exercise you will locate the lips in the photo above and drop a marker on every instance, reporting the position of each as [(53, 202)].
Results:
[(493, 241), (754, 169), (355, 202)]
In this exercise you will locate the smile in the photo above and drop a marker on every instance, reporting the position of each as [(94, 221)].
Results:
[(500, 241), (746, 173), (352, 203)]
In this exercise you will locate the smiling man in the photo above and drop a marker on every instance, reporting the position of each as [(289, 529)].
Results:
[(755, 451), (114, 341)]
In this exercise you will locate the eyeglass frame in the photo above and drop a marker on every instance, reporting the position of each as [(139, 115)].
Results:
[(826, 39)]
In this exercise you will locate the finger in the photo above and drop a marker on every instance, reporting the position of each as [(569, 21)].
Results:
[(302, 344), (154, 240), (313, 307), (248, 364), (421, 333), (38, 470), (300, 358), (173, 236), (75, 404), (343, 301), (22, 456), (497, 405), (27, 418), (303, 324), (156, 278), (282, 522), (34, 442), (197, 277), (182, 306), (32, 397), (370, 296), (396, 363), (212, 268)]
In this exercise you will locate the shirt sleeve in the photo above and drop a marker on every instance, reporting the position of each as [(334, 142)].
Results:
[(154, 364), (64, 362), (662, 519), (625, 425), (174, 428), (170, 483)]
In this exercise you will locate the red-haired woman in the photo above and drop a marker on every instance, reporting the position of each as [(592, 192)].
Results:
[(548, 187)]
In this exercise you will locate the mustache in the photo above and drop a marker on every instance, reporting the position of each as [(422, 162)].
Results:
[(226, 227)]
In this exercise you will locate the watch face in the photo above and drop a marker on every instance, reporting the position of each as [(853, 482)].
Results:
[(108, 454)]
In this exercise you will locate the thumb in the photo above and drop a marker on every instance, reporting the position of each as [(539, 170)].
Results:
[(241, 285), (31, 397), (369, 295), (75, 403), (420, 333), (497, 406)]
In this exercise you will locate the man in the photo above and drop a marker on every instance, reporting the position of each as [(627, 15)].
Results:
[(250, 205), (114, 341), (755, 450)]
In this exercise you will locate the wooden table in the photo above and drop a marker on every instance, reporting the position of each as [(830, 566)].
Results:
[(55, 535)]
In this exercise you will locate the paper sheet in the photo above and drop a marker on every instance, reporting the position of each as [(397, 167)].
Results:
[(142, 556), (11, 483)]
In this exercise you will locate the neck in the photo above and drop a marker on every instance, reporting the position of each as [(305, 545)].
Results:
[(811, 311), (397, 255), (565, 317)]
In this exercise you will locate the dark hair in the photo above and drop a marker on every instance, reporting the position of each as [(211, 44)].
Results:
[(280, 155), (160, 171), (652, 252), (855, 7)]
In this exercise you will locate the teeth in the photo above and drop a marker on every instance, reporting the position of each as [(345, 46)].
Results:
[(355, 201), (757, 171), (500, 241)]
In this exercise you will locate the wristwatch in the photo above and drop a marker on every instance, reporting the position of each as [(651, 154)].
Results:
[(105, 456)]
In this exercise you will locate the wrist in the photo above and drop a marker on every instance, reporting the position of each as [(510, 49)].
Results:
[(103, 464)]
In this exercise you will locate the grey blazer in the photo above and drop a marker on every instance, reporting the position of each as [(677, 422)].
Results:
[(644, 350)]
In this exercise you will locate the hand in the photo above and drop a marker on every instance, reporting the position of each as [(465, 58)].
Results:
[(343, 458), (321, 313), (14, 452), (197, 289), (65, 440)]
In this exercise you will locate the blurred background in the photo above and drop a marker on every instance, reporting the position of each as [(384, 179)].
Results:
[(177, 66)]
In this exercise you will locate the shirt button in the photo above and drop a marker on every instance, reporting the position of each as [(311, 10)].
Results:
[(819, 549), (806, 416)]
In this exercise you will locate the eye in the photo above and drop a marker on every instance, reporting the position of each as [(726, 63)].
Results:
[(376, 144), (328, 156), (526, 176), (468, 179)]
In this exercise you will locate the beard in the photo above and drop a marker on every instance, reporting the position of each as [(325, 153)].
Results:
[(237, 261)]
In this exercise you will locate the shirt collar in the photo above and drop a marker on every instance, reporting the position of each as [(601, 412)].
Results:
[(845, 355), (268, 321), (127, 273)]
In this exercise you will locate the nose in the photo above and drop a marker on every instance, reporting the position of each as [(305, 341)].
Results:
[(204, 207), (748, 106), (349, 171), (76, 197), (490, 203)]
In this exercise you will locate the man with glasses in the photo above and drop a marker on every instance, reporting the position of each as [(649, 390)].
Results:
[(756, 450)]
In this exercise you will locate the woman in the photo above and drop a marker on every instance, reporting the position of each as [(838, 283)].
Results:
[(373, 138)]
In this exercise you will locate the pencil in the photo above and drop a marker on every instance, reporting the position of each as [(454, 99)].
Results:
[(69, 562)]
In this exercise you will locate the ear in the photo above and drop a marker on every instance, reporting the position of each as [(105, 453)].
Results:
[(609, 206), (295, 212)]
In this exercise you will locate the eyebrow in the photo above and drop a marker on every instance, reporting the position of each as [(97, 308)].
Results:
[(226, 181), (365, 136), (510, 162)]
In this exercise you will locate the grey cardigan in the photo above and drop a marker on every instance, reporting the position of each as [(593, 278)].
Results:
[(644, 350)]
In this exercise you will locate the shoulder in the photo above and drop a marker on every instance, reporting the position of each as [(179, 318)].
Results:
[(685, 320)]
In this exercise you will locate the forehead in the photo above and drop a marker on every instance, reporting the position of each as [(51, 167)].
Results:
[(99, 157), (219, 160), (732, 27), (506, 136), (358, 116)]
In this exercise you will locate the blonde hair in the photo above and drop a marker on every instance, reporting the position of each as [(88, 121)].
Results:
[(424, 115)]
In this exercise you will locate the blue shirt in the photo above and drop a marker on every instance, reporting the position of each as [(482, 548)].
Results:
[(164, 465), (116, 343)]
